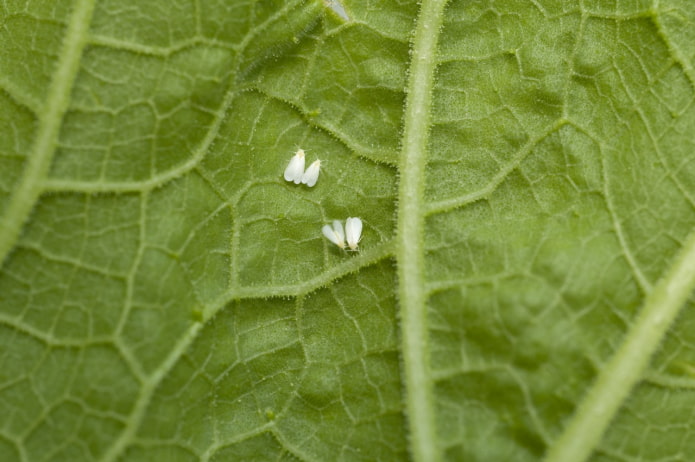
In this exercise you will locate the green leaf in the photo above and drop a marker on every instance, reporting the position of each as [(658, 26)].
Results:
[(524, 172)]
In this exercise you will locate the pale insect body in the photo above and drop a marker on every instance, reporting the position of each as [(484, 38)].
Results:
[(353, 232), (295, 169), (335, 234), (311, 175)]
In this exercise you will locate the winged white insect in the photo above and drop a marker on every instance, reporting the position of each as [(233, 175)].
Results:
[(295, 169), (337, 8), (335, 234), (353, 232), (312, 174)]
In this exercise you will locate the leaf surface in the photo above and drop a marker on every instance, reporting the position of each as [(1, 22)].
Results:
[(526, 187)]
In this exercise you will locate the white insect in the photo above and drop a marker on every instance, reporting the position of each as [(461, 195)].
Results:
[(295, 169), (312, 174), (353, 232), (335, 234)]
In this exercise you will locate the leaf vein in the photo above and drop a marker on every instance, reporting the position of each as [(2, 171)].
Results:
[(410, 251), (29, 187), (621, 373)]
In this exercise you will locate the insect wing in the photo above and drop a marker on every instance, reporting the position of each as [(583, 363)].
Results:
[(353, 232), (311, 175), (334, 236), (338, 229), (295, 169)]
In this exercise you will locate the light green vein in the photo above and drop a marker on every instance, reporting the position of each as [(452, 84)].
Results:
[(147, 390), (617, 378), (50, 120), (150, 385), (410, 251), (350, 265), (156, 181), (456, 202)]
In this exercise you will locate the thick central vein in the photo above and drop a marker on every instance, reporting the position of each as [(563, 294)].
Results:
[(39, 160), (617, 378), (410, 253)]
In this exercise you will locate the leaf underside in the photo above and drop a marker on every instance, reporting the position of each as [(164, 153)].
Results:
[(166, 295)]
